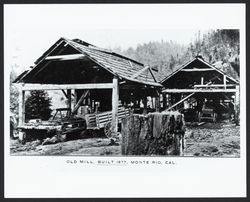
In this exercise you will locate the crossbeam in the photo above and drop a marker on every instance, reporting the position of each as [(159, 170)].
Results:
[(180, 101), (78, 104), (214, 85), (198, 70), (66, 57), (30, 86), (199, 91)]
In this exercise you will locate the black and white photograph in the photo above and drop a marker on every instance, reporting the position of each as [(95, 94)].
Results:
[(162, 97), (79, 86)]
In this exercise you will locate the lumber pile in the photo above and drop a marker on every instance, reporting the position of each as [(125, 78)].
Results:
[(153, 134)]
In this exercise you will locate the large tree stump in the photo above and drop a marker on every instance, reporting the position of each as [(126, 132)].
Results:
[(153, 134)]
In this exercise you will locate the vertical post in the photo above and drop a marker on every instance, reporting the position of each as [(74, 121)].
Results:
[(225, 81), (69, 99), (145, 102), (157, 103), (237, 104), (115, 100), (21, 112), (202, 80), (164, 101), (75, 98)]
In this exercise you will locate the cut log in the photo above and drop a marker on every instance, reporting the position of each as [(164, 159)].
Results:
[(153, 134)]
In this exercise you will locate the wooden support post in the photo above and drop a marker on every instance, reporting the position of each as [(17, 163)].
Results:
[(75, 98), (74, 111), (21, 112), (202, 80), (144, 101), (225, 81), (237, 104), (115, 100), (157, 103), (69, 99)]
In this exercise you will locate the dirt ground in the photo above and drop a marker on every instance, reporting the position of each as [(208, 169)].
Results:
[(216, 140), (90, 146), (209, 139)]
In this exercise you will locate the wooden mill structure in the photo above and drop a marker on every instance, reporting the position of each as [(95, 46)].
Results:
[(89, 75), (196, 82)]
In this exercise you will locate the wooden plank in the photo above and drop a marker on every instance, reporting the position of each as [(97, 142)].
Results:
[(214, 85), (85, 93), (145, 102), (199, 91), (65, 94), (115, 102), (30, 86), (157, 103), (66, 57), (75, 98), (180, 101), (225, 81), (197, 70)]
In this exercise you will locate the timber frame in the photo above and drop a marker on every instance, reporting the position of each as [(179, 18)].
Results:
[(199, 79), (81, 70)]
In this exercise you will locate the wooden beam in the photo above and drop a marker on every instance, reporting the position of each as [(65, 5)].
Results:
[(199, 91), (180, 101), (225, 81), (69, 99), (66, 57), (197, 70), (85, 93), (21, 107), (30, 86), (75, 98), (214, 85), (144, 101), (115, 101), (65, 94), (47, 62), (157, 103)]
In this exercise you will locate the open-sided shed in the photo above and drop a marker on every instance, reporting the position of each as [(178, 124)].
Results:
[(90, 75), (196, 82)]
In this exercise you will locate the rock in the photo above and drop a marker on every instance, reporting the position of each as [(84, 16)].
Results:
[(212, 149), (55, 139)]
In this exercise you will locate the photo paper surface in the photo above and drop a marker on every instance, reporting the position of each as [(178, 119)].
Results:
[(125, 98)]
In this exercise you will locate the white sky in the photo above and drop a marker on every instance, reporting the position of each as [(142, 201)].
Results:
[(31, 29)]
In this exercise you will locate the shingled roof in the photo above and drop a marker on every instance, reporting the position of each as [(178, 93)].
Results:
[(116, 64), (200, 59)]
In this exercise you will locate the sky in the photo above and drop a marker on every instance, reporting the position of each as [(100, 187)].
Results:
[(29, 30)]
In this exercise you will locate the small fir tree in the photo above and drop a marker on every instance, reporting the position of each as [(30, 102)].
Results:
[(37, 105)]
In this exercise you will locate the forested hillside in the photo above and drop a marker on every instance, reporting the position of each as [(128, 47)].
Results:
[(219, 47)]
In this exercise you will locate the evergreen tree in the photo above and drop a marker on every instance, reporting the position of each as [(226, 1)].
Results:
[(37, 105)]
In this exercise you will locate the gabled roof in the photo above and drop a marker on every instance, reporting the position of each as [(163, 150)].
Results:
[(198, 58), (116, 64)]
